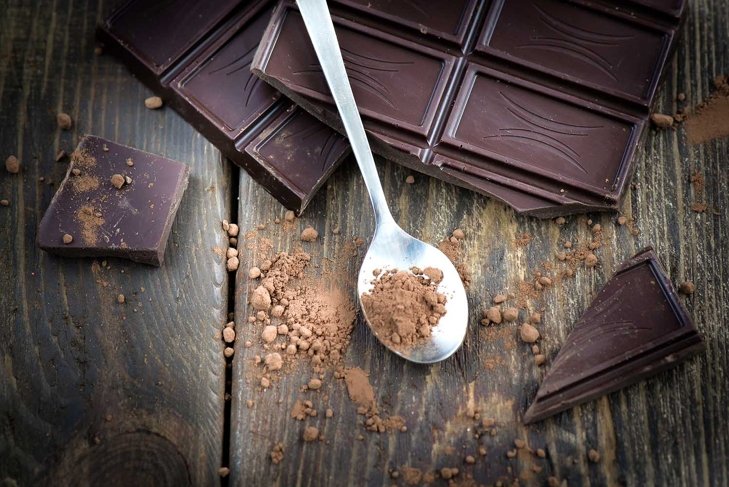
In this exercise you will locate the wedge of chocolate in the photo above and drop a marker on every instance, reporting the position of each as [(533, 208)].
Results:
[(115, 201), (634, 328)]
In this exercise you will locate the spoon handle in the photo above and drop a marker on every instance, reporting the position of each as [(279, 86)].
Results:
[(321, 31)]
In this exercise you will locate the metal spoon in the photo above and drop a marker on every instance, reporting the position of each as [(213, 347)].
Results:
[(391, 247)]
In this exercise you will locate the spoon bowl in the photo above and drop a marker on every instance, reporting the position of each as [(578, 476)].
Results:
[(393, 248)]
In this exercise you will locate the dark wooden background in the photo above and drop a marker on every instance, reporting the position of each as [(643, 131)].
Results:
[(97, 393)]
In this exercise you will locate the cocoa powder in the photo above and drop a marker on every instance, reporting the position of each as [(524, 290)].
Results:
[(403, 307), (710, 119)]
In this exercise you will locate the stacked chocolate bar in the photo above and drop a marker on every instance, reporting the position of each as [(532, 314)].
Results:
[(538, 103)]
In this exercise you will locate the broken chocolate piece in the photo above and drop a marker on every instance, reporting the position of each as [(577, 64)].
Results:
[(634, 328), (196, 56), (538, 103), (132, 222)]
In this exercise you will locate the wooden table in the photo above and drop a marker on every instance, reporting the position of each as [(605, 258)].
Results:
[(97, 393)]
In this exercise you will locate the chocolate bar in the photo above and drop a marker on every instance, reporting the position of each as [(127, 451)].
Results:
[(538, 103), (196, 56), (115, 201), (634, 328)]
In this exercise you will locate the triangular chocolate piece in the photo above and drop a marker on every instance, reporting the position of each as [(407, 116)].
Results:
[(634, 328)]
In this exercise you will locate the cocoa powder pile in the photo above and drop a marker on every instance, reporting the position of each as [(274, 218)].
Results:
[(298, 318), (710, 119), (403, 307)]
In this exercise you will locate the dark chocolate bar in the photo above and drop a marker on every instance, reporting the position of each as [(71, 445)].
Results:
[(115, 201), (196, 56), (539, 103), (634, 328)]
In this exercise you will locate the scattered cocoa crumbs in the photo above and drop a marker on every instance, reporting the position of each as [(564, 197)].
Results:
[(523, 240), (232, 264), (403, 307), (309, 235), (311, 433), (117, 180), (64, 121), (710, 119), (687, 288), (500, 298), (662, 120), (228, 335), (593, 455), (452, 248), (528, 333), (277, 453), (410, 180), (12, 165), (697, 183), (153, 102), (510, 314)]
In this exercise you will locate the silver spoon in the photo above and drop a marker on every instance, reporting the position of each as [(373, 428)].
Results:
[(391, 247)]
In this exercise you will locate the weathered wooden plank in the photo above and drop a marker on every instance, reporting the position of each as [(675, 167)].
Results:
[(93, 392), (670, 430)]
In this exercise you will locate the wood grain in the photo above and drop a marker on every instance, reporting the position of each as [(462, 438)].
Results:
[(670, 430), (93, 392)]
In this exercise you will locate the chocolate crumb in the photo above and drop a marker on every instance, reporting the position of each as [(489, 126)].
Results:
[(311, 433), (309, 235), (254, 273), (117, 180), (470, 459), (593, 455), (510, 314), (223, 472), (591, 260), (265, 383), (4, 202), (277, 454), (64, 121), (75, 171), (289, 216), (500, 298), (329, 413), (12, 165), (493, 314), (560, 221), (228, 334), (528, 333), (448, 473), (231, 252), (535, 349), (314, 384), (153, 102), (410, 180), (121, 299), (539, 359), (67, 239), (233, 230), (541, 453), (661, 120), (228, 352), (687, 288), (458, 233), (535, 318), (232, 264)]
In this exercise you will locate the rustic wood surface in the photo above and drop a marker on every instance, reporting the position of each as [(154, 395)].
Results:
[(93, 392), (73, 358), (670, 430)]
